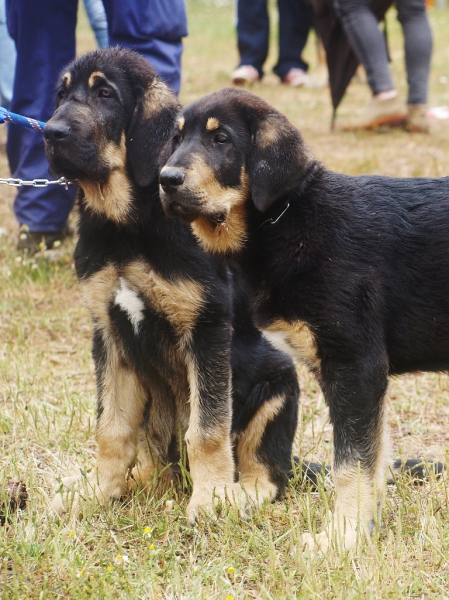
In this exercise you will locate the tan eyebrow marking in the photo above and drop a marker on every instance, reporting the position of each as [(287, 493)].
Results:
[(181, 123), (67, 78), (212, 123), (95, 75)]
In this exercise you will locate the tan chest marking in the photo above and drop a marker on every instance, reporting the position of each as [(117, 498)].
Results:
[(231, 234), (296, 339), (179, 300), (113, 198), (98, 292)]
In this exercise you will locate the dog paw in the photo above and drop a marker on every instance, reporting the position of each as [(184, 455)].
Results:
[(341, 534), (74, 491), (315, 544), (66, 499)]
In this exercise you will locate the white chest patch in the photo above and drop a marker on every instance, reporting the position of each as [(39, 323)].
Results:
[(130, 302)]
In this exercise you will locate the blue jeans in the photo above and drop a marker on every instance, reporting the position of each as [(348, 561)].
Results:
[(369, 44), (253, 28), (44, 33)]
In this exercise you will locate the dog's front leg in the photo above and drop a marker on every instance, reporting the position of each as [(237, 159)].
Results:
[(121, 400), (208, 437), (355, 395)]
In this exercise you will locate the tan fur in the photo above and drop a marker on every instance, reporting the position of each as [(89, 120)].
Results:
[(269, 132), (113, 198), (212, 124), (67, 78), (221, 239), (298, 337), (155, 98), (123, 399), (255, 476), (179, 300), (93, 76), (181, 122), (210, 453), (97, 292), (231, 234)]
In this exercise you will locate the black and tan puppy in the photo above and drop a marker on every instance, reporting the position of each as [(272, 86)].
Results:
[(165, 313), (353, 272)]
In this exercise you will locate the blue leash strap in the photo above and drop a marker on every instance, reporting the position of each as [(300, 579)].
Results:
[(5, 115)]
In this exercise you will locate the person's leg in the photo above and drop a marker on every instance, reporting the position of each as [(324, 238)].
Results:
[(253, 30), (8, 60), (44, 33), (154, 28), (97, 19), (418, 47), (362, 29), (295, 19)]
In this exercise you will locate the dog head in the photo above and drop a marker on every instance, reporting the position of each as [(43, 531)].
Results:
[(113, 117), (228, 149)]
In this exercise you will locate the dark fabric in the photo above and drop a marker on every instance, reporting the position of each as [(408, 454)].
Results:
[(253, 30), (342, 61), (368, 42), (44, 33), (154, 28)]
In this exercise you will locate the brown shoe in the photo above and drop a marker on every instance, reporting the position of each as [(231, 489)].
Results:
[(417, 120), (378, 113)]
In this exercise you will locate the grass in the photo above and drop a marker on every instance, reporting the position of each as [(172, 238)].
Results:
[(144, 548)]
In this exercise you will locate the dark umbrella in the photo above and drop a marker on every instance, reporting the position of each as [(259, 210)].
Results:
[(342, 61)]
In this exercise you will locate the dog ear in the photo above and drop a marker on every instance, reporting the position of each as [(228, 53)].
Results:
[(278, 159), (150, 128)]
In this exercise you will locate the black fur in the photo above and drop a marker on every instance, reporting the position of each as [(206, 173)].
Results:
[(362, 262), (128, 102)]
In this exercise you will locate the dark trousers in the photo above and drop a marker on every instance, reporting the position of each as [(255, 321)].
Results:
[(44, 33), (253, 27), (368, 42)]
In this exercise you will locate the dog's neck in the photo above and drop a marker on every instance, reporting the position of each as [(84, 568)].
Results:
[(112, 199)]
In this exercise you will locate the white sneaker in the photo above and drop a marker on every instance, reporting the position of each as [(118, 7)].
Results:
[(245, 74), (296, 78)]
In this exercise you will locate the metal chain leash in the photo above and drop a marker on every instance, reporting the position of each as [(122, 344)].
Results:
[(6, 115), (35, 182)]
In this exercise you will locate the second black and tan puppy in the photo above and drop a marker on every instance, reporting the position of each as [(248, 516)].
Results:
[(353, 272), (169, 321)]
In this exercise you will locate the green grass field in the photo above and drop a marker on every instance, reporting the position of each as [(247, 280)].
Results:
[(144, 548)]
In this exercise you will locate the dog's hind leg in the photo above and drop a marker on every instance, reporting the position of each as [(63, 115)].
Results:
[(355, 395), (121, 401), (264, 447)]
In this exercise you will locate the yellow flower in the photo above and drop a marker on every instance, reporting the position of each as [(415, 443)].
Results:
[(109, 568), (148, 530), (230, 569), (228, 597), (72, 534), (152, 547)]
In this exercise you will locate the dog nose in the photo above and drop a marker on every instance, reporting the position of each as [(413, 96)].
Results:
[(171, 178), (56, 131)]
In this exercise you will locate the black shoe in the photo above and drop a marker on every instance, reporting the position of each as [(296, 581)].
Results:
[(31, 242)]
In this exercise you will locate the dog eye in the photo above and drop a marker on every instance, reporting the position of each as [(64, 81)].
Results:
[(220, 138), (61, 94), (176, 140), (104, 93)]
